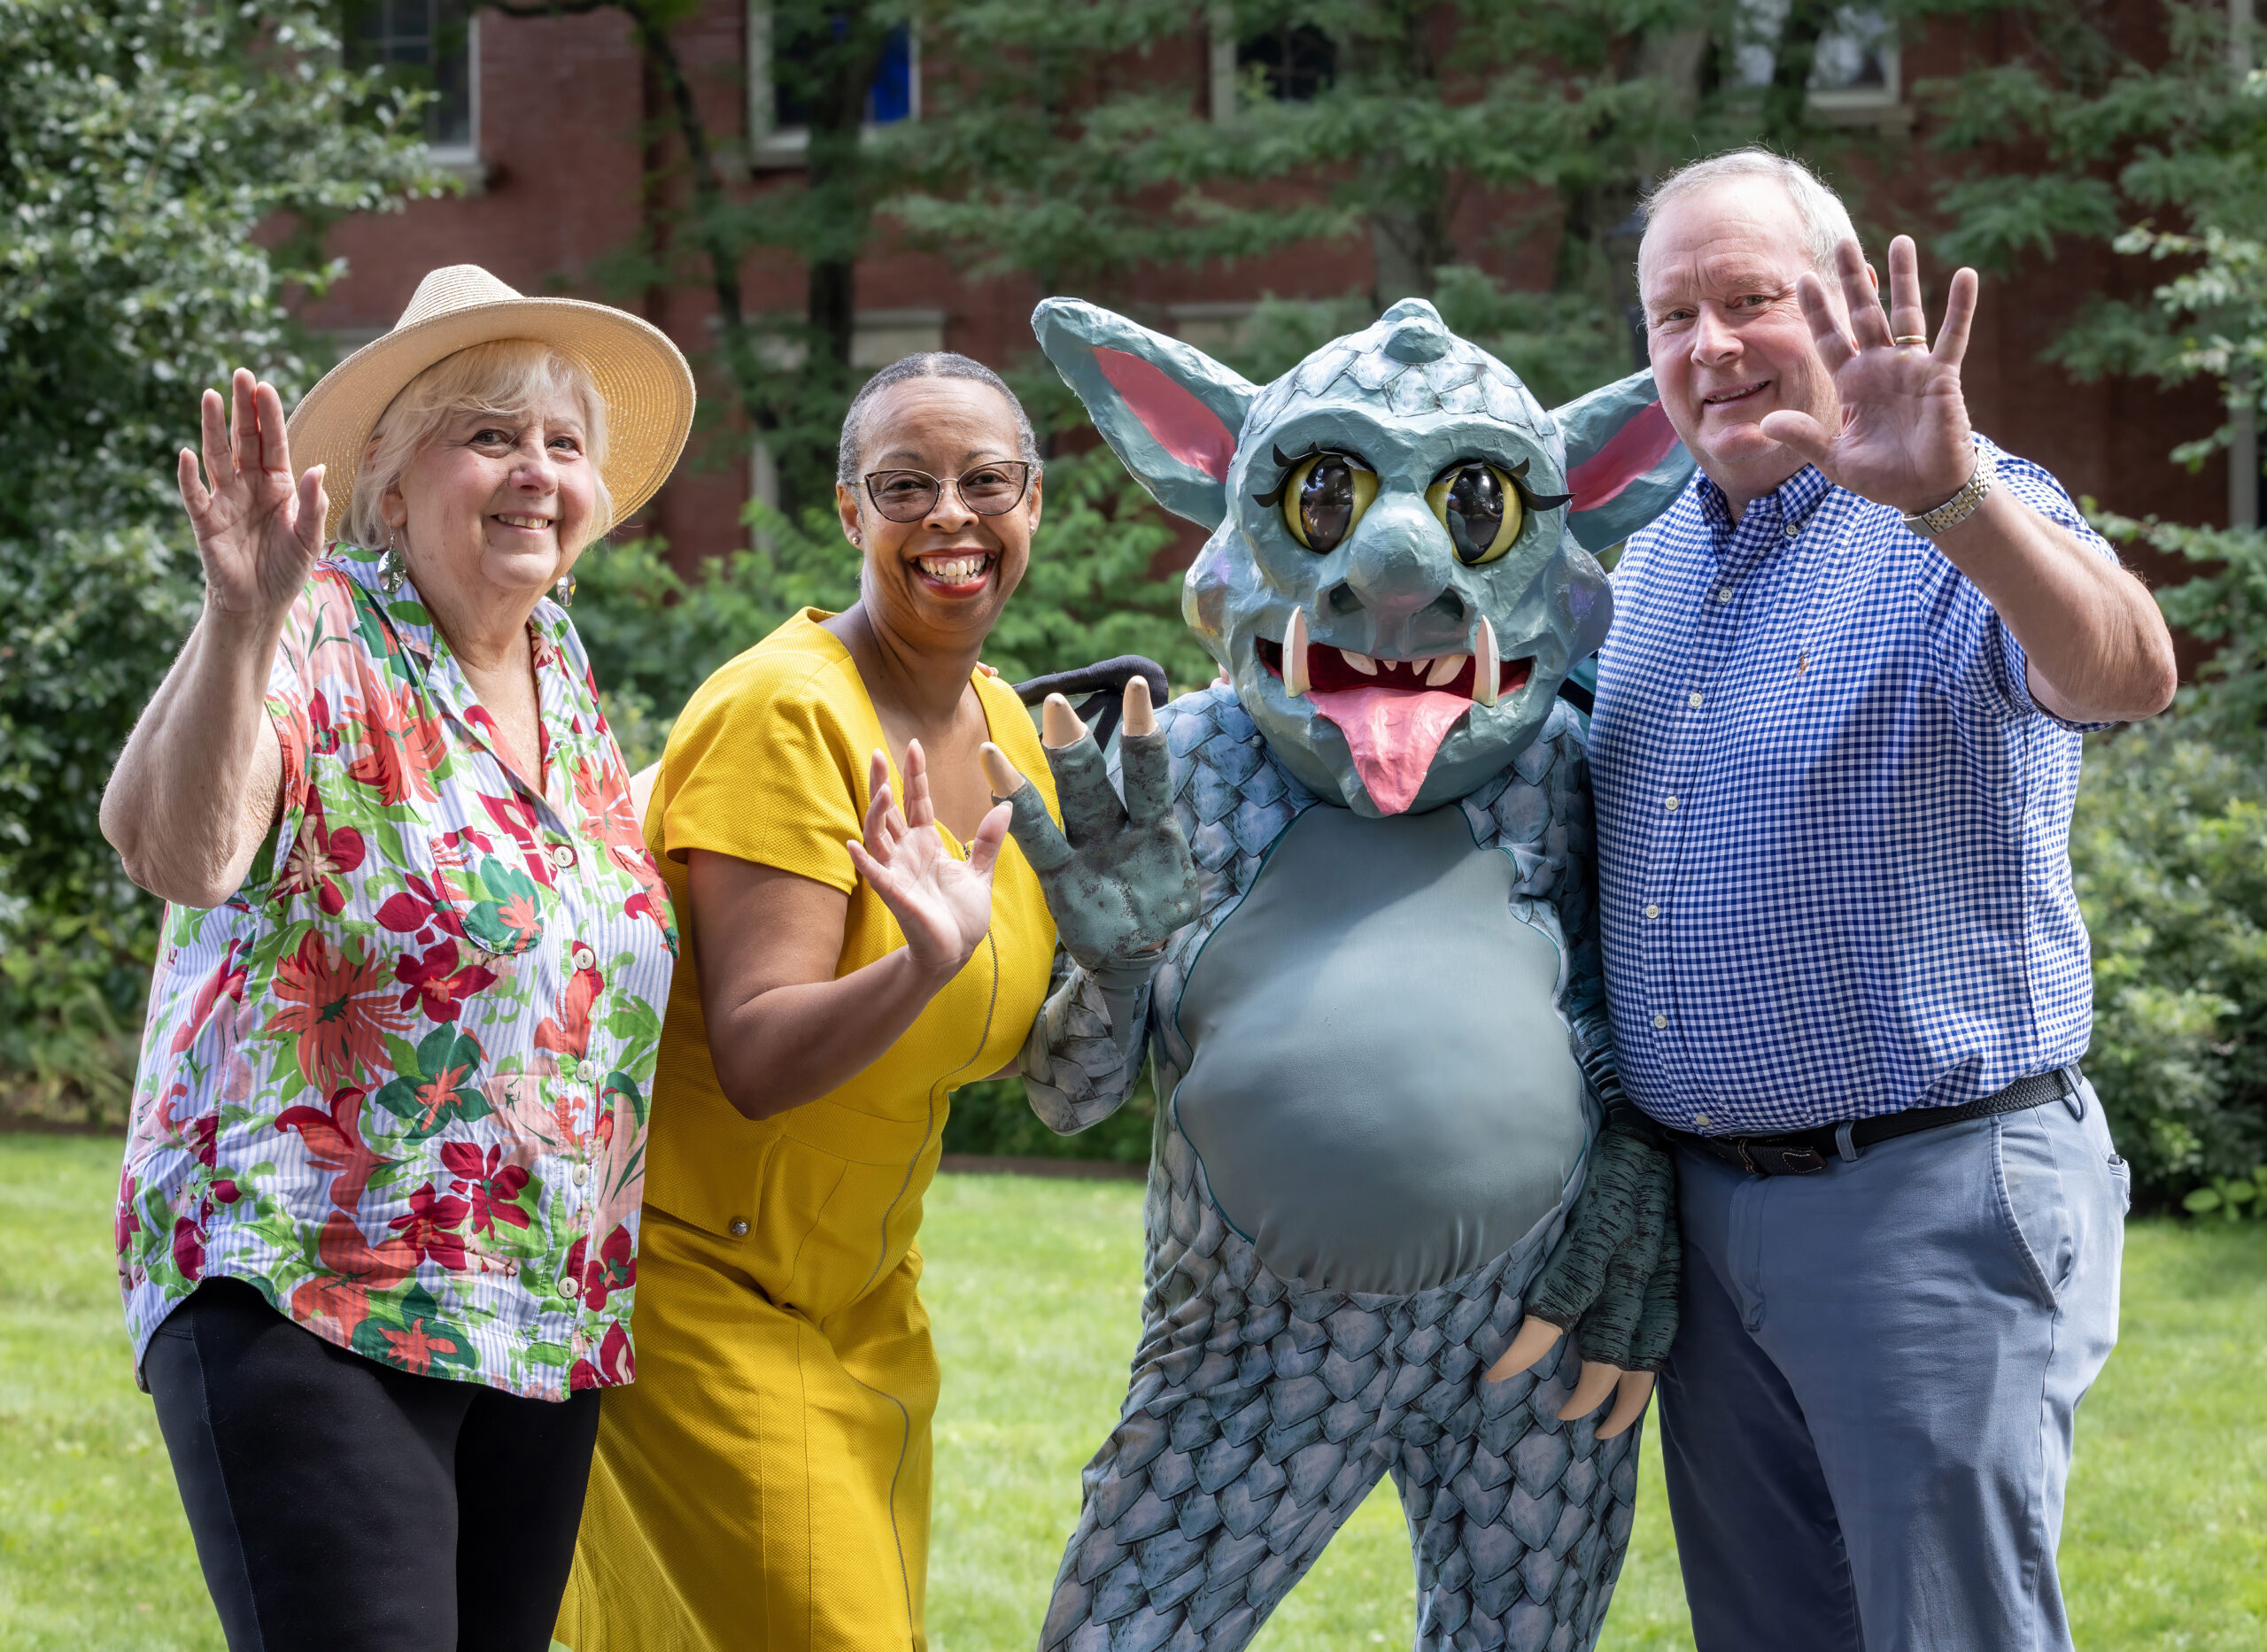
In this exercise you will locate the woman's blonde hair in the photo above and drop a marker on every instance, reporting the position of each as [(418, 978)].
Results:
[(507, 377)]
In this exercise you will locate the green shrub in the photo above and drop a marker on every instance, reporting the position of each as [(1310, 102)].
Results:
[(995, 1117), (2169, 847)]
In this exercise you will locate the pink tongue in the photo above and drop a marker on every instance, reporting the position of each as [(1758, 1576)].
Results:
[(1393, 735)]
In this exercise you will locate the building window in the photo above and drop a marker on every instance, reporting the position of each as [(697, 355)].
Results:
[(1854, 68), (778, 109), (428, 46), (1298, 60)]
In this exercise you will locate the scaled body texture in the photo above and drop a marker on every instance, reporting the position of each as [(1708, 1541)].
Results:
[(1380, 1047)]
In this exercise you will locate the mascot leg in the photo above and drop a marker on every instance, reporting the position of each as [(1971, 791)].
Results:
[(1263, 1410), (1250, 1433), (1518, 1521)]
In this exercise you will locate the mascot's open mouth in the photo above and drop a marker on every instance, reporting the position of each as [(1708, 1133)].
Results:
[(1394, 713)]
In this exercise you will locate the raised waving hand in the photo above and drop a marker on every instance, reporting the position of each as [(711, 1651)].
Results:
[(1904, 435), (258, 530), (943, 904)]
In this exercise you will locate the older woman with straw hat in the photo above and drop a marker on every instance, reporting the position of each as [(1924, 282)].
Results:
[(378, 1223)]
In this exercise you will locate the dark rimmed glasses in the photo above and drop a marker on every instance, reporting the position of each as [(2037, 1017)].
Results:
[(907, 496)]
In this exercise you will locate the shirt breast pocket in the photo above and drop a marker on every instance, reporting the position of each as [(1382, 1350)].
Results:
[(492, 877)]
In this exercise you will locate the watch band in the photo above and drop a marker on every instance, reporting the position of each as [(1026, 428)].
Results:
[(1963, 505)]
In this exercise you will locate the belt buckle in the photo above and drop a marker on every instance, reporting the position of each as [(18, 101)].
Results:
[(1780, 1161)]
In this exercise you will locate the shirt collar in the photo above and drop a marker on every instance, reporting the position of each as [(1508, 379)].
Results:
[(404, 611), (1769, 519)]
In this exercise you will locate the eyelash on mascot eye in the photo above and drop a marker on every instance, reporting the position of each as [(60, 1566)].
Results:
[(1528, 497), (1291, 461)]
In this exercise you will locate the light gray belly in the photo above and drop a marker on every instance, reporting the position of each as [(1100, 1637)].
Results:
[(1382, 1091)]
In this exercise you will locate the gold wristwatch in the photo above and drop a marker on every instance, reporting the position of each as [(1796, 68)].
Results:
[(1963, 505)]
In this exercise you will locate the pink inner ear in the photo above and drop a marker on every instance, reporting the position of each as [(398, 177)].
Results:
[(1183, 426), (1634, 449)]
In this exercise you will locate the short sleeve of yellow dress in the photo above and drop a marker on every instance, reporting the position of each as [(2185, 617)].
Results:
[(763, 1484)]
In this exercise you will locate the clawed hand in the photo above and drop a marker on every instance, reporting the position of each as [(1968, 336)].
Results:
[(1614, 1279), (256, 533), (1905, 440), (1118, 876), (944, 904)]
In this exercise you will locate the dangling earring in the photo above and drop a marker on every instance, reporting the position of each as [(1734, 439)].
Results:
[(391, 572), (564, 591)]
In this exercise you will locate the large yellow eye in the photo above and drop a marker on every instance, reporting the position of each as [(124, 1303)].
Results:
[(1324, 497), (1479, 506)]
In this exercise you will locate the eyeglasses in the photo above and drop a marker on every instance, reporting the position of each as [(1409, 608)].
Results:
[(907, 496)]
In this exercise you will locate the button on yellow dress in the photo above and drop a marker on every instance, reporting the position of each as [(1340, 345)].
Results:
[(763, 1484)]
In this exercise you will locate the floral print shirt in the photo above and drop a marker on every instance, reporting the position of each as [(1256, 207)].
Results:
[(398, 1080)]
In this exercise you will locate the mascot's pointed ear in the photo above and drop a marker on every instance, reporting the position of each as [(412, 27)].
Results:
[(1171, 412), (1624, 463)]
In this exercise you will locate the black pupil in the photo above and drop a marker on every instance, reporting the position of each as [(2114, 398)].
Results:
[(1326, 502), (1475, 512)]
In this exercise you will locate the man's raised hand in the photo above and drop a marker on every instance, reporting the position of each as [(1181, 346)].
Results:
[(257, 532), (1904, 436)]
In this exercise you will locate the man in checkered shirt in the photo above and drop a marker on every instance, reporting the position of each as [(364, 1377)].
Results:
[(1835, 749)]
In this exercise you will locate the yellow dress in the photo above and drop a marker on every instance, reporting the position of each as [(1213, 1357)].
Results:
[(763, 1484)]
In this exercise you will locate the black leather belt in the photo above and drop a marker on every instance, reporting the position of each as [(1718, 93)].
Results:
[(1803, 1152)]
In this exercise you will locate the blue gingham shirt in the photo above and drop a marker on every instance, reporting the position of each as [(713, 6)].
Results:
[(1834, 826)]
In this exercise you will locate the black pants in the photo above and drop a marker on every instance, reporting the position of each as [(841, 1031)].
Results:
[(339, 1504)]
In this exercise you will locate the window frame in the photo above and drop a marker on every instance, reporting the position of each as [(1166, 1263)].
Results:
[(461, 161), (1882, 106), (771, 146)]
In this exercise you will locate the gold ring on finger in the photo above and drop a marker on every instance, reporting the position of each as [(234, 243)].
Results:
[(1902, 339)]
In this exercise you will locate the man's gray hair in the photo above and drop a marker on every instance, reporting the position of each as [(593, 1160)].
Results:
[(1825, 221), (849, 451)]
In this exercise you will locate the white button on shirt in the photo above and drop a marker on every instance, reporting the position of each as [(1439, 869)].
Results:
[(1874, 900)]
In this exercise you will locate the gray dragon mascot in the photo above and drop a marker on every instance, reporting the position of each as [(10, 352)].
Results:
[(1343, 898)]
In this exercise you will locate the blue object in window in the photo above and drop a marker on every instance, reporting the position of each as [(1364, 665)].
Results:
[(891, 95)]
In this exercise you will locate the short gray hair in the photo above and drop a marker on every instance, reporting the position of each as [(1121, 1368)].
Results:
[(1825, 221), (929, 364), (505, 376)]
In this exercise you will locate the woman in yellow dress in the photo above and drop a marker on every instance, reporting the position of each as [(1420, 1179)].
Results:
[(764, 1483)]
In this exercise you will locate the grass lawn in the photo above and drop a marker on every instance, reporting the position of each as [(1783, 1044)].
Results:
[(1033, 1287)]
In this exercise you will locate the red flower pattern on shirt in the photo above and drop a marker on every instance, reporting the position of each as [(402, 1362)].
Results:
[(396, 1086)]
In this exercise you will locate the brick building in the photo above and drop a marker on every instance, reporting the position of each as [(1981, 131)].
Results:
[(547, 120)]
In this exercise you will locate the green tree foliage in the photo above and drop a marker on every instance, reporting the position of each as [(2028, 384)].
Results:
[(143, 143), (2170, 849), (1057, 151), (2165, 156)]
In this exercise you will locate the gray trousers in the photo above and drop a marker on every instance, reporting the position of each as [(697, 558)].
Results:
[(1866, 1418)]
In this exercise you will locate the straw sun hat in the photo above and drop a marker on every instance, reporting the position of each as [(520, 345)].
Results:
[(640, 375)]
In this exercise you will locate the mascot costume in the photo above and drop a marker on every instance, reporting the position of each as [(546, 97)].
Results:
[(1346, 906)]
